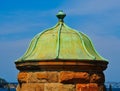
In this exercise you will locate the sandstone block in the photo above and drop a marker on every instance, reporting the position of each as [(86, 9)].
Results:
[(81, 87), (22, 77), (59, 87), (67, 87), (97, 78), (31, 77), (52, 77), (93, 87), (81, 77), (41, 76), (87, 87), (65, 77), (102, 87), (32, 87), (52, 86), (73, 77)]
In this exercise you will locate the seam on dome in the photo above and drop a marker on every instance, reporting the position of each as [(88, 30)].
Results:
[(58, 42), (93, 57), (101, 58), (82, 42), (36, 38), (24, 57)]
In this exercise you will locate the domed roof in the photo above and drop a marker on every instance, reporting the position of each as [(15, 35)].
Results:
[(61, 42)]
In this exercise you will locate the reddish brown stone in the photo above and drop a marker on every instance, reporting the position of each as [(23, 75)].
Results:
[(82, 77), (41, 75), (81, 87), (97, 78), (59, 87), (53, 65), (87, 87), (101, 87), (66, 76), (52, 77), (73, 77), (60, 75), (93, 87), (67, 87), (22, 77), (52, 86), (31, 77), (32, 87)]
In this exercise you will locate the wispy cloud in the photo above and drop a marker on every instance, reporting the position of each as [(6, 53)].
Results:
[(91, 6), (100, 16), (21, 21), (11, 51), (9, 48)]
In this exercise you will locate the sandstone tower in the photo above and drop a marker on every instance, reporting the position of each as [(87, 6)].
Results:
[(61, 59)]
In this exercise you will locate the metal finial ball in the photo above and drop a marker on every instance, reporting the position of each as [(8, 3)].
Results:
[(61, 15)]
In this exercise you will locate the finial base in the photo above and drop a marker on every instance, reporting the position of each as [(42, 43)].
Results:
[(61, 15)]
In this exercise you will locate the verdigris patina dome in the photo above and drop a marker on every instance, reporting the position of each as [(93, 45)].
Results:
[(61, 59), (61, 42)]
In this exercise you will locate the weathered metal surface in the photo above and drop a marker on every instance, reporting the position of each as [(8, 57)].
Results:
[(60, 42)]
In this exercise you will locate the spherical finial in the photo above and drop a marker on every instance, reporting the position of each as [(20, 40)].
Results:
[(61, 15)]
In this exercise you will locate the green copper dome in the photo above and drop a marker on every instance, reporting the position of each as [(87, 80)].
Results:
[(61, 42)]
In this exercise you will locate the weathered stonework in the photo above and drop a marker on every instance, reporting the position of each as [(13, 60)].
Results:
[(97, 77), (22, 77), (52, 77), (87, 87), (74, 77), (30, 87), (62, 78), (59, 87)]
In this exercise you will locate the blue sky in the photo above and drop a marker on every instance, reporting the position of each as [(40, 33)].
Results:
[(21, 20)]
